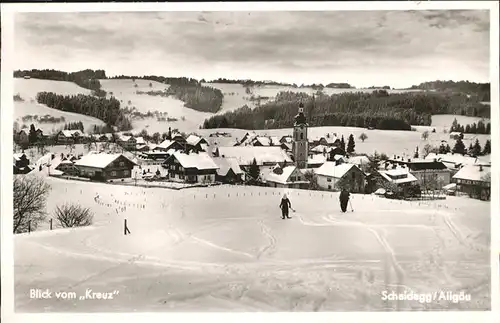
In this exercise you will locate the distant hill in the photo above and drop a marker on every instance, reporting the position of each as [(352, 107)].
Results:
[(480, 90)]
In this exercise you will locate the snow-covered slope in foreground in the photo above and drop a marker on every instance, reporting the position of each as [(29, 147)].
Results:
[(227, 249)]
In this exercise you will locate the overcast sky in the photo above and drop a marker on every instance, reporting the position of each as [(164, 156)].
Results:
[(363, 48)]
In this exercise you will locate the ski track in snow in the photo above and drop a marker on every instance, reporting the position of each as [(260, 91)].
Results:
[(241, 276)]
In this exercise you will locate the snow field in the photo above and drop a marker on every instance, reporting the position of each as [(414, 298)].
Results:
[(227, 248)]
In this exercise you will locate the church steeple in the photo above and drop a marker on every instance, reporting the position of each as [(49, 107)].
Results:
[(300, 146)]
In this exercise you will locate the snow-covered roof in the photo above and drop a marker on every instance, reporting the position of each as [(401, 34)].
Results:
[(332, 170), (195, 160), (225, 164), (19, 155), (246, 154), (317, 159), (474, 173), (140, 141), (193, 140), (456, 159), (98, 160), (359, 160), (282, 178), (165, 144), (124, 138), (71, 133), (390, 174)]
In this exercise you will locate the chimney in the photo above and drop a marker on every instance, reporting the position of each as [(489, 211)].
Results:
[(480, 168), (409, 160), (435, 159)]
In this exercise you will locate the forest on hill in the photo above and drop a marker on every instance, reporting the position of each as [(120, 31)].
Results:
[(107, 110), (479, 90), (378, 110), (88, 79)]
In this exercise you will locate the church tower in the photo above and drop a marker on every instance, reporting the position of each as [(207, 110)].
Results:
[(300, 146)]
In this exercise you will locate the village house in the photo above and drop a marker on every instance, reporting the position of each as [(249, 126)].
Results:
[(191, 167), (474, 180), (177, 136), (127, 142), (103, 166), (316, 160), (168, 145), (288, 139), (285, 177), (229, 172), (21, 164), (266, 157), (332, 176), (106, 137), (66, 137), (67, 167), (362, 161), (196, 143), (455, 135), (326, 140), (454, 162), (430, 173), (398, 181)]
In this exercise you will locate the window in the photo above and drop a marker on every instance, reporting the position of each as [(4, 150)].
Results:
[(181, 169), (301, 136), (329, 187), (113, 173), (122, 164), (328, 179), (126, 172), (292, 178)]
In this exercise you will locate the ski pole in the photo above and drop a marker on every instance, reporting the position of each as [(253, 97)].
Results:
[(352, 210)]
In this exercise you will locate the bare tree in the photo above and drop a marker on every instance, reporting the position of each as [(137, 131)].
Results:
[(313, 180), (30, 197), (73, 215), (425, 135), (363, 137)]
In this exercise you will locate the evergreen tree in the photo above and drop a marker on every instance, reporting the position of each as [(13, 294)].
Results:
[(476, 149), (342, 143), (487, 147), (459, 147), (448, 149), (471, 148), (254, 170), (350, 144)]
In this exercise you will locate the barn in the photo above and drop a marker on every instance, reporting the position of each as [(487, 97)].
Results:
[(103, 166)]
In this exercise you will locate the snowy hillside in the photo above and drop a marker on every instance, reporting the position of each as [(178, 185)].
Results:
[(28, 89), (200, 250), (125, 91)]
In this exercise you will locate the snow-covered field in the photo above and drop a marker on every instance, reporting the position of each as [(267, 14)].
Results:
[(28, 90), (227, 249)]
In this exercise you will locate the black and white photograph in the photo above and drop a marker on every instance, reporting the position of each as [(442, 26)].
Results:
[(279, 160)]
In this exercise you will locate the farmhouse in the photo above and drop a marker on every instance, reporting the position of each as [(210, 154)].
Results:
[(69, 137), (326, 140), (67, 167), (264, 156), (102, 166), (176, 136), (398, 180), (427, 171), (285, 177), (167, 145), (333, 177), (196, 143), (191, 167), (21, 164), (127, 142), (475, 180), (453, 161), (229, 171)]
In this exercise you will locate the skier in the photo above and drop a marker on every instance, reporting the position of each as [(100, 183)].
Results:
[(284, 206), (344, 199)]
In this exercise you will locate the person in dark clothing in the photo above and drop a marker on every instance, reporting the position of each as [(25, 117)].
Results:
[(344, 199), (285, 205)]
